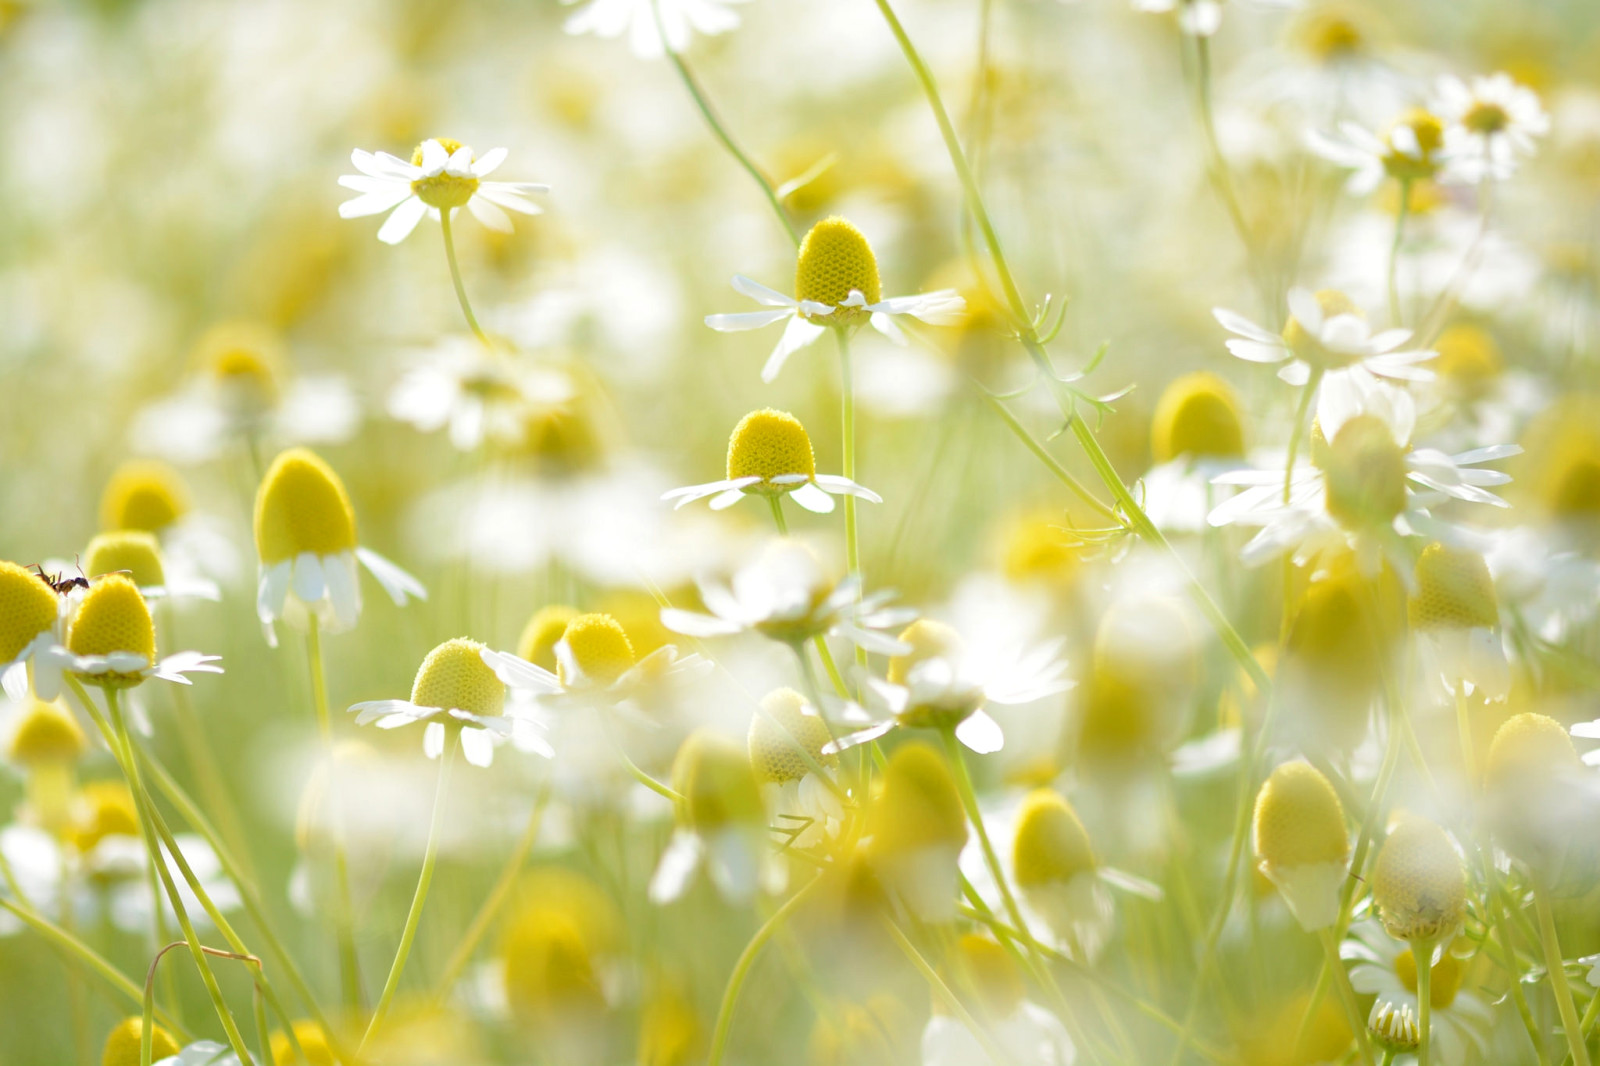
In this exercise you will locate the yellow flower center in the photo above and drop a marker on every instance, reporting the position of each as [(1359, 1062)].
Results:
[(994, 977), (1486, 118), (1454, 590), (47, 733), (1197, 415), (1035, 549), (774, 734), (549, 972), (1468, 358), (600, 648), (1298, 819), (835, 258), (919, 806), (443, 191), (28, 607), (714, 778), (1445, 976), (1429, 132), (537, 644), (144, 495), (669, 1030), (1330, 35), (122, 1046), (113, 617), (1364, 471), (104, 809), (454, 676), (1051, 845), (769, 444), (302, 506), (1418, 882), (313, 1041), (1308, 347), (1527, 750), (134, 551), (928, 640)]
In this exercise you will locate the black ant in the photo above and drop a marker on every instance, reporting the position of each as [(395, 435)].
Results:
[(61, 585)]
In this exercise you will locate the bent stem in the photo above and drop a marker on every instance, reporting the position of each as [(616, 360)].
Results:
[(147, 1030), (343, 914), (455, 276), (424, 880), (741, 968), (1556, 969)]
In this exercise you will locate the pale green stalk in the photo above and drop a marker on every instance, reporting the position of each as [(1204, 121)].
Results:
[(847, 419), (455, 277), (996, 1056), (1401, 215), (747, 959), (424, 880), (343, 915), (1556, 969), (1347, 994), (821, 642), (1422, 955)]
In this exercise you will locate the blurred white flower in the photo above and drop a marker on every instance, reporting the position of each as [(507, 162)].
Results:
[(1383, 967), (1201, 18), (443, 176), (1332, 338), (678, 19), (478, 395), (1491, 125)]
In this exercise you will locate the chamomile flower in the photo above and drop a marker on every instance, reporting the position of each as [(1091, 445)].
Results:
[(835, 284), (769, 454), (1491, 123), (1301, 842), (1024, 1032), (805, 808), (443, 175), (1200, 18), (139, 555), (1385, 967), (1457, 621), (111, 642), (475, 395), (1328, 332), (678, 21), (1409, 152), (30, 622), (1197, 433), (305, 534), (150, 496), (456, 688), (1366, 485), (123, 1045), (784, 595), (916, 829), (940, 684), (721, 822)]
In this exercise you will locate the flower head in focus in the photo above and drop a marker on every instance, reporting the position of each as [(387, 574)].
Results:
[(443, 175), (111, 642), (769, 454), (455, 690)]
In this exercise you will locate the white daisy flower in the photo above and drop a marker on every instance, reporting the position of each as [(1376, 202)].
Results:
[(783, 594), (769, 454), (722, 825), (1456, 623), (30, 623), (34, 860), (476, 395), (941, 684), (1410, 151), (1547, 585), (1366, 486), (786, 740), (1384, 967), (1022, 1032), (1591, 731), (836, 284), (1196, 433), (1327, 331), (150, 496), (443, 175), (306, 538), (679, 19), (1491, 124), (456, 687), (1201, 18)]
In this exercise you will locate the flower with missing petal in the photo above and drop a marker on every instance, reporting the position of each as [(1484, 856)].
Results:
[(769, 454), (443, 175)]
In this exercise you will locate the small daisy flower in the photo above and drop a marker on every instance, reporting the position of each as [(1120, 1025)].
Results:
[(938, 684), (1024, 1032), (455, 688), (150, 496), (722, 823), (1301, 842), (1419, 882), (784, 595), (835, 284), (1326, 331), (1366, 484), (44, 742), (305, 534), (111, 642), (139, 555), (1491, 124), (679, 19), (30, 622), (1456, 619), (443, 175), (916, 830), (1385, 967), (808, 812), (1196, 434), (1409, 152), (476, 395), (1538, 796), (769, 454)]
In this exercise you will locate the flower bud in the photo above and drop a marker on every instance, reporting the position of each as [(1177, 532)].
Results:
[(1419, 882), (1301, 842), (122, 1046), (143, 495)]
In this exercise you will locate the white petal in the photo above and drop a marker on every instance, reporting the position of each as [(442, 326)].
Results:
[(433, 740), (677, 865), (400, 224), (374, 203), (799, 333), (478, 746), (812, 499), (844, 486), (761, 294), (744, 320), (488, 162), (693, 624), (309, 585), (395, 581), (489, 214)]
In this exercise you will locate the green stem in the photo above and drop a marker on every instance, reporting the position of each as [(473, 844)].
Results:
[(709, 113), (1556, 969), (943, 991), (741, 968), (1400, 217), (1218, 165), (1062, 474), (1347, 994), (414, 918), (847, 421), (455, 276), (821, 642), (343, 913), (1495, 893), (969, 800), (1422, 956)]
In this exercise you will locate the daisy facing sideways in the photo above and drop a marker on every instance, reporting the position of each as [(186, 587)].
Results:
[(1326, 332), (455, 689), (769, 454), (111, 642), (443, 175), (835, 284)]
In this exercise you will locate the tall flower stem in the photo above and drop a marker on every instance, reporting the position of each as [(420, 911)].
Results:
[(1347, 994), (1556, 969), (996, 1056), (1422, 955), (847, 460), (820, 641), (414, 917), (1217, 164), (969, 800), (1403, 213), (455, 276), (741, 968), (343, 914)]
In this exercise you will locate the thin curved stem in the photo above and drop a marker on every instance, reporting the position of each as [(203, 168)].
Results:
[(414, 917), (343, 913), (147, 1029), (1077, 487), (1221, 176), (741, 968), (1556, 969), (1347, 994), (455, 276), (943, 991)]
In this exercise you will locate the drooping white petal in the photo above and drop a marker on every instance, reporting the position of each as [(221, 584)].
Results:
[(799, 333), (433, 740), (980, 733), (743, 320), (490, 215), (844, 486), (677, 865), (395, 581), (812, 499), (399, 225)]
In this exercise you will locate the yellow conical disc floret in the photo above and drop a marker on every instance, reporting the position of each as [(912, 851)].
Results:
[(1453, 590), (103, 809), (919, 806), (1364, 471), (994, 977), (1527, 750), (313, 1041), (774, 733), (537, 644), (46, 733), (599, 648), (1418, 882), (549, 968), (835, 259), (928, 640), (1309, 348), (302, 506), (1469, 359), (113, 617), (245, 361), (1298, 819), (718, 789), (443, 190), (122, 1046), (28, 607), (454, 676), (1330, 34), (768, 444), (1051, 845), (1197, 415), (134, 551), (1561, 465), (145, 495)]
